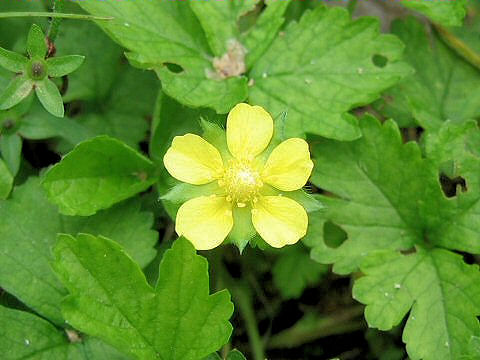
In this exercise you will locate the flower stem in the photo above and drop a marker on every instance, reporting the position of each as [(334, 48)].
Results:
[(241, 298), (314, 326), (459, 46), (12, 14), (55, 21), (352, 5)]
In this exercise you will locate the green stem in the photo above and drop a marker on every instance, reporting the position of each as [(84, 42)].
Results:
[(55, 22), (460, 47), (13, 14), (241, 298), (352, 5), (311, 328)]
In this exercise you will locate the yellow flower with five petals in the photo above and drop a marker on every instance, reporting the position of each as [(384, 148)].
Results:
[(244, 180)]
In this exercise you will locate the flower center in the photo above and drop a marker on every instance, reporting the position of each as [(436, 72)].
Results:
[(241, 181), (37, 69)]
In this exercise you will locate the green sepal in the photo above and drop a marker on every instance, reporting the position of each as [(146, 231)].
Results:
[(213, 356), (216, 135), (63, 65), (50, 97), (12, 61), (243, 230), (36, 44), (308, 201), (17, 90), (235, 355), (182, 192)]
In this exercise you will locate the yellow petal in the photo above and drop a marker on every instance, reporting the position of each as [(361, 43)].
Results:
[(205, 221), (279, 220), (289, 166), (249, 130), (193, 160)]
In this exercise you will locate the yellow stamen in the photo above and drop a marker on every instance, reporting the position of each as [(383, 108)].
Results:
[(241, 182)]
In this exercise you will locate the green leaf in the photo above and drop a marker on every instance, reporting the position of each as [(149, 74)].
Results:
[(48, 94), (97, 174), (28, 232), (374, 204), (473, 349), (11, 150), (6, 180), (17, 90), (260, 37), (444, 12), (4, 77), (110, 298), (13, 30), (26, 336), (373, 201), (10, 120), (441, 292), (232, 355), (219, 21), (36, 42), (122, 115), (104, 82), (63, 65), (294, 271), (235, 355), (124, 112), (164, 129), (455, 224), (38, 124), (12, 61), (180, 41), (321, 68), (103, 61), (444, 86), (372, 181), (452, 145)]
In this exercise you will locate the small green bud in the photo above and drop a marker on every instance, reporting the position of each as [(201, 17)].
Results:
[(37, 69)]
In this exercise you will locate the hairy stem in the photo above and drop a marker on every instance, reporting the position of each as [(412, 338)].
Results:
[(315, 327), (242, 299), (460, 47), (55, 21), (12, 14)]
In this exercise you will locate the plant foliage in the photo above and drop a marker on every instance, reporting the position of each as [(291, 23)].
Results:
[(92, 95)]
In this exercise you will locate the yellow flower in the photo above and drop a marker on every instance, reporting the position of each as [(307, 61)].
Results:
[(244, 179)]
